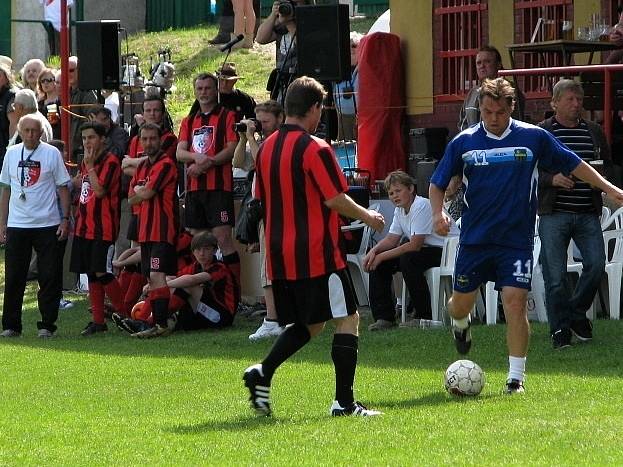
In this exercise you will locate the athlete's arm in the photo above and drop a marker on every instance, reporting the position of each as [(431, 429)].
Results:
[(441, 223), (189, 280), (345, 206), (586, 173), (183, 154)]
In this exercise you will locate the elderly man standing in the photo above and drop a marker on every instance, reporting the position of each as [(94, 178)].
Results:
[(32, 174), (488, 62), (569, 209), (25, 103)]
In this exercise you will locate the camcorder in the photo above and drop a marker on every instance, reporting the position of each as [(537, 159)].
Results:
[(242, 127), (286, 8)]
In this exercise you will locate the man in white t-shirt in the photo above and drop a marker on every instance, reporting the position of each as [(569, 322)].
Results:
[(33, 172), (413, 220)]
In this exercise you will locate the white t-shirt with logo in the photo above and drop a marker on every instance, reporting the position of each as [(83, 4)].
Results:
[(36, 174), (419, 221)]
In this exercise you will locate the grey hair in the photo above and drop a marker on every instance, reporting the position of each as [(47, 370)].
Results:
[(27, 99), (565, 85), (32, 61), (30, 117)]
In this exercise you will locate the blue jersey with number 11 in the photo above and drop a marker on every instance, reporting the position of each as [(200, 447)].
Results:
[(501, 177)]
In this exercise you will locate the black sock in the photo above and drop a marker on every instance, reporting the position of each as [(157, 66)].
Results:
[(286, 345), (344, 355), (160, 309)]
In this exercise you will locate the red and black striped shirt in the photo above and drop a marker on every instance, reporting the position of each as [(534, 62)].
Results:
[(168, 145), (296, 174), (208, 134), (98, 218), (184, 253), (222, 292), (158, 217)]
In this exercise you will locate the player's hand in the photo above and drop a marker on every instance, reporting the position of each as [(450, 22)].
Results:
[(275, 9), (127, 161), (562, 181), (250, 128), (375, 220), (375, 263), (2, 234), (441, 224), (194, 171), (615, 194)]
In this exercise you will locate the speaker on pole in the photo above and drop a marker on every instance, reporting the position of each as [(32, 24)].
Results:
[(99, 65), (323, 42)]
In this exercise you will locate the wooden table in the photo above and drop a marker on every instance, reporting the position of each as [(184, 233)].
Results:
[(566, 48)]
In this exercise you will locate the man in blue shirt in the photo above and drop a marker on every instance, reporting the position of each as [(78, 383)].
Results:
[(499, 160)]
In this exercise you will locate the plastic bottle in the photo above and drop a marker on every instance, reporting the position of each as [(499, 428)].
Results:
[(430, 323)]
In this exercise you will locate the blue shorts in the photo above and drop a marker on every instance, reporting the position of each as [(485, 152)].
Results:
[(478, 264)]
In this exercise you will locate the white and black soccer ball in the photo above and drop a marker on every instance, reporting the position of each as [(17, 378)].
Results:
[(464, 378)]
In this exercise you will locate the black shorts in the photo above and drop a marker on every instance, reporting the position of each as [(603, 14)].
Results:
[(158, 257), (208, 209), (133, 228), (90, 256), (312, 301), (207, 316)]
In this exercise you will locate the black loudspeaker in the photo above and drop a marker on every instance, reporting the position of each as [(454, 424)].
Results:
[(323, 42), (99, 65)]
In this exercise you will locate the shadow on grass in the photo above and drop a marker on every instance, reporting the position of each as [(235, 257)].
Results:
[(242, 423), (409, 349), (430, 400)]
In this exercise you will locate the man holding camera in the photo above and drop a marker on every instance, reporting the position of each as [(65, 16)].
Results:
[(280, 26), (269, 116)]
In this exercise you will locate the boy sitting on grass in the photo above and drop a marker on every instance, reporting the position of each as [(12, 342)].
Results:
[(205, 294), (413, 220)]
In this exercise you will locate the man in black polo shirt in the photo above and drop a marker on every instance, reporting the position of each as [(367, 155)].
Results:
[(234, 99), (569, 209)]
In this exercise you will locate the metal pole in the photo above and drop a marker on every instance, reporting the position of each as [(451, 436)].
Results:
[(608, 105), (65, 118)]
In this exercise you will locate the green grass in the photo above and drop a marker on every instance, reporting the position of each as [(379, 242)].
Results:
[(111, 399)]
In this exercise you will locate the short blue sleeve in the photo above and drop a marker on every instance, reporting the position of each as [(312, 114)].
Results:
[(450, 165)]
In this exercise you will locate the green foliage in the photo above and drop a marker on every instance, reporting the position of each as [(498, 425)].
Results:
[(111, 399)]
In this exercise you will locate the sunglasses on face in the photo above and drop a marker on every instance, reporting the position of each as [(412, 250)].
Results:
[(48, 80)]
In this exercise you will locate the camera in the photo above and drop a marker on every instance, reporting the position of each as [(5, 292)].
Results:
[(242, 127), (286, 8)]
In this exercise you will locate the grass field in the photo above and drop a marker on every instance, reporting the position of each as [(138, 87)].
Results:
[(111, 399)]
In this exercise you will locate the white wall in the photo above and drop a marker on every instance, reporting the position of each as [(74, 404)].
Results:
[(28, 40)]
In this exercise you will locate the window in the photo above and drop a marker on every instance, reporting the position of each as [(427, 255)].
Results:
[(458, 34), (527, 15)]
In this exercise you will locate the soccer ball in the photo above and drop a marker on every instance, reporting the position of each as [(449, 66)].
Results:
[(141, 312), (464, 378)]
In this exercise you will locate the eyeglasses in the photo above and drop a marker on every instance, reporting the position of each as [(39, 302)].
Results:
[(48, 80)]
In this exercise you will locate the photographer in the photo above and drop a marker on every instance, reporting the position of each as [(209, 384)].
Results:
[(269, 116), (280, 26)]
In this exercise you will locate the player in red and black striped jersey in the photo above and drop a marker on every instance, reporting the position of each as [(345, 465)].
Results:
[(206, 145), (154, 111), (97, 223), (155, 191), (208, 288), (302, 191)]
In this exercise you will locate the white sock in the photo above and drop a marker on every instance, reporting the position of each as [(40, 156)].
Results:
[(461, 323), (516, 368)]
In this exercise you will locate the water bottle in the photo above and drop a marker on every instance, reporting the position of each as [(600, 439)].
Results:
[(430, 323)]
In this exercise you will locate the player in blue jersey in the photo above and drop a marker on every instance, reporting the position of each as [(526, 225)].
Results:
[(498, 160)]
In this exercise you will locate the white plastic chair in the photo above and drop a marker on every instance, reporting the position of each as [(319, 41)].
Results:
[(434, 276), (614, 270), (605, 218), (361, 280)]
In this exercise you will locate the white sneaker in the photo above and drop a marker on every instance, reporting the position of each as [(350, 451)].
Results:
[(10, 333), (65, 304), (45, 334), (356, 409), (267, 329)]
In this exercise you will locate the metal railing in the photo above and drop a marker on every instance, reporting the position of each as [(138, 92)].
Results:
[(607, 71)]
